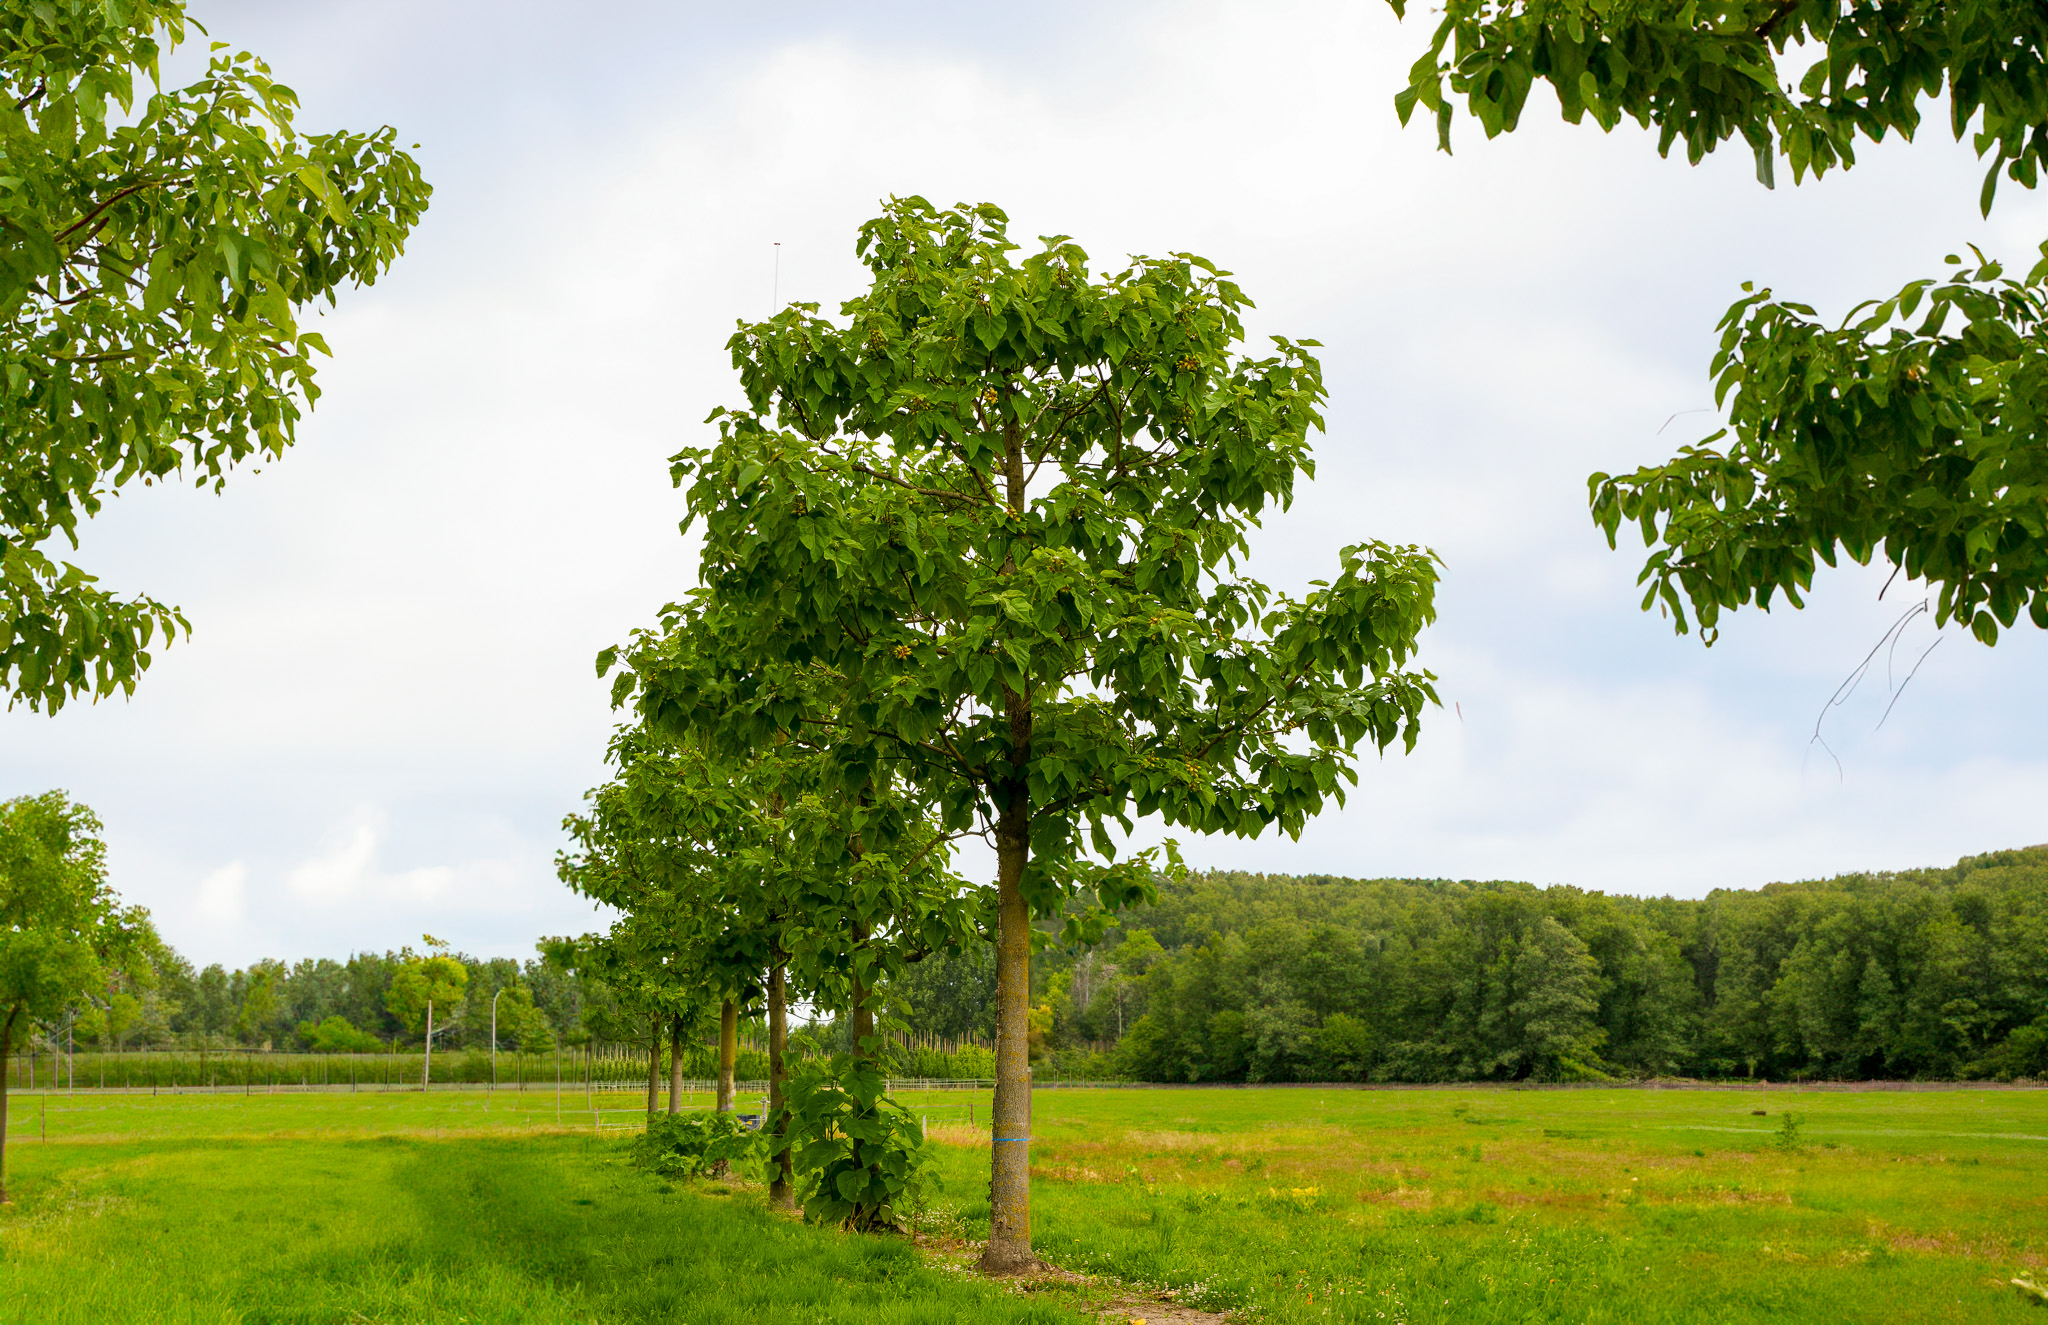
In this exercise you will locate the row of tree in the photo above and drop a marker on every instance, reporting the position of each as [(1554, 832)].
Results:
[(972, 566)]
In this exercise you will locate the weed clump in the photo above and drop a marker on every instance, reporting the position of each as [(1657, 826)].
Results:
[(679, 1145)]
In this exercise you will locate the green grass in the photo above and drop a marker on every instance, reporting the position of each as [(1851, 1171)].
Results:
[(286, 1209), (1623, 1206), (1283, 1205)]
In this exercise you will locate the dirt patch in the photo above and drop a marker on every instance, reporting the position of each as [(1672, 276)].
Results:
[(1067, 1173), (1947, 1243), (1178, 1141), (1102, 1299)]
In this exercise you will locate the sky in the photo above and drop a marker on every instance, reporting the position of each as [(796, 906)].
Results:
[(388, 702)]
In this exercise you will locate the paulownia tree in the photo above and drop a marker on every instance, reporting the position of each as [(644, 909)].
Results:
[(156, 250), (979, 537), (743, 867), (673, 841), (655, 992), (61, 927), (1911, 430)]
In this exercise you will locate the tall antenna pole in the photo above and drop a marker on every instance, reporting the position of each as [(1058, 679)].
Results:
[(775, 299)]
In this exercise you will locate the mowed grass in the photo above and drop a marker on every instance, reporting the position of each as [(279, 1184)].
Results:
[(403, 1209), (1598, 1205), (1278, 1204)]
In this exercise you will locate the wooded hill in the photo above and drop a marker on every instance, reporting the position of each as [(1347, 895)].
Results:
[(1938, 973)]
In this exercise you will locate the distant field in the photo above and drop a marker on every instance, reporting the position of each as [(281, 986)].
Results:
[(1608, 1205), (1282, 1205)]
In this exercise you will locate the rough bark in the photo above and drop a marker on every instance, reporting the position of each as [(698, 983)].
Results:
[(1009, 1239), (728, 1052), (675, 1064), (781, 1192)]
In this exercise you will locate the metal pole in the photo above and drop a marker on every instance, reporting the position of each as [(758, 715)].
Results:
[(494, 1036)]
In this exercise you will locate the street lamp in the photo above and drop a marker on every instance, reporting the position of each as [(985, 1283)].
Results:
[(494, 1035)]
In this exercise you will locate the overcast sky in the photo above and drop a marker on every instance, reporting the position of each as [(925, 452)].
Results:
[(388, 703)]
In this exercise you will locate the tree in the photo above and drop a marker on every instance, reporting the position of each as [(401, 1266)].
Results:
[(259, 1007), (643, 865), (525, 1025), (417, 986), (61, 927), (155, 252), (337, 1035), (1922, 441), (979, 539)]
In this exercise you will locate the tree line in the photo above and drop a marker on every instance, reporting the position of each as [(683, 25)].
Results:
[(1917, 974)]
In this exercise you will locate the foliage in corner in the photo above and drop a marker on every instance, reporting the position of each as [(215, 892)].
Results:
[(1917, 429), (1709, 72), (156, 248), (1923, 443)]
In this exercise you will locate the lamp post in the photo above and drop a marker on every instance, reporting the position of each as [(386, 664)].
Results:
[(494, 1036)]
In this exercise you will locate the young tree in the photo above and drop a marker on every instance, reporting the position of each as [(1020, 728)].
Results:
[(743, 863), (1915, 429), (419, 984), (979, 539), (155, 251), (61, 926), (524, 1024), (642, 864)]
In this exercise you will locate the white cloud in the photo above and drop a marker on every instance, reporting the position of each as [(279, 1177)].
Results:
[(222, 895), (389, 701)]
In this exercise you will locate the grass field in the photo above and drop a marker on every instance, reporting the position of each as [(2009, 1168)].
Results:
[(1282, 1205)]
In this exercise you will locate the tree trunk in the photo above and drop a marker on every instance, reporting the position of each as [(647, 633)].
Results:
[(780, 1192), (6, 1048), (653, 1068), (728, 1051), (1009, 1232), (427, 1055), (675, 1065), (1009, 1236)]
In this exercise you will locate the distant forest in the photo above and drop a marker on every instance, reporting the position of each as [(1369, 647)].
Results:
[(1264, 977), (1271, 977)]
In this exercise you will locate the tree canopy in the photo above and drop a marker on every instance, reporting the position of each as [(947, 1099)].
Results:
[(1707, 72), (1913, 428), (156, 249)]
